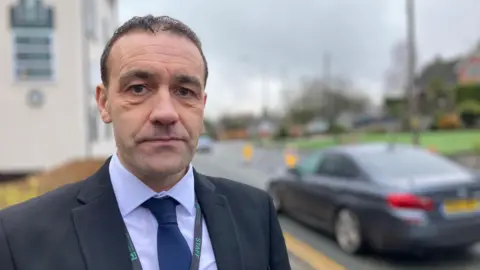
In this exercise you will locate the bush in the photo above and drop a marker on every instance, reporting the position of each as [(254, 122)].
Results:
[(336, 129), (467, 93), (448, 121), (282, 133), (377, 129), (469, 112)]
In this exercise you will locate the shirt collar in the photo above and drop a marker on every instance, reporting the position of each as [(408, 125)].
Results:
[(131, 192)]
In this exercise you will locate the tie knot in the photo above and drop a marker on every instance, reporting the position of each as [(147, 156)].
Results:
[(163, 209)]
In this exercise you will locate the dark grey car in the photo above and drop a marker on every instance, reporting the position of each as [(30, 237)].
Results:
[(391, 197)]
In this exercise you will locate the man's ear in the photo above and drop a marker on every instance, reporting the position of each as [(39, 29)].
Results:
[(103, 103)]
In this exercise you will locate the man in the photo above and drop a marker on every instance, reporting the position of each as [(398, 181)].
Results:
[(139, 210)]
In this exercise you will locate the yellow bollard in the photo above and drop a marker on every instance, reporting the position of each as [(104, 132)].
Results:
[(247, 152), (290, 157)]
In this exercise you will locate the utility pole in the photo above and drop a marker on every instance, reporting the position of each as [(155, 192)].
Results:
[(327, 67), (265, 93), (87, 93), (331, 106), (285, 92), (412, 103)]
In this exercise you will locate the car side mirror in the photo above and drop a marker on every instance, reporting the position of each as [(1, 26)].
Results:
[(294, 171)]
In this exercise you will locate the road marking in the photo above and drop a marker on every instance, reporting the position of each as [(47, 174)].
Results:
[(309, 255)]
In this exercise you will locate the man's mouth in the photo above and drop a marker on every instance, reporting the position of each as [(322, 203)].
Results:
[(161, 140)]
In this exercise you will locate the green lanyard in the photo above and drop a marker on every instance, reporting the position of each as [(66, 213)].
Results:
[(197, 243)]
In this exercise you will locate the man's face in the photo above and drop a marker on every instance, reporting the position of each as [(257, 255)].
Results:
[(155, 100)]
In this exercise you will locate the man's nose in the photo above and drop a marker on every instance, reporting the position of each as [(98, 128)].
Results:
[(164, 111)]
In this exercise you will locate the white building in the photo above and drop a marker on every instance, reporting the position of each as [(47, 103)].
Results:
[(50, 53)]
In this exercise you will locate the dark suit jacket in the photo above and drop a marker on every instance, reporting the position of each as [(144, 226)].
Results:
[(79, 227)]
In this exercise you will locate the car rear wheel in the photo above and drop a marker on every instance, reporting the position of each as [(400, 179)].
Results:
[(348, 233)]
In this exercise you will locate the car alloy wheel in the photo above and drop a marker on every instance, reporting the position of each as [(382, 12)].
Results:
[(348, 232)]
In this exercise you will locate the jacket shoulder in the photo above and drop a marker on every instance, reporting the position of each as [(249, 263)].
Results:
[(239, 192), (226, 184), (50, 204)]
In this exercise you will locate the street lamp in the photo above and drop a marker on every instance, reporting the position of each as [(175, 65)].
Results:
[(412, 104)]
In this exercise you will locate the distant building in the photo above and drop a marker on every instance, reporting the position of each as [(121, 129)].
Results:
[(440, 69), (265, 126), (50, 53), (316, 127), (468, 69), (462, 70)]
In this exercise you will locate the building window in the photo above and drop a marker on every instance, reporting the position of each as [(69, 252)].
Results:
[(90, 15), (105, 30), (95, 75), (33, 54), (112, 4), (93, 125), (108, 131)]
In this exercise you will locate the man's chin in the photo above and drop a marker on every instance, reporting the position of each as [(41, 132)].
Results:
[(164, 164)]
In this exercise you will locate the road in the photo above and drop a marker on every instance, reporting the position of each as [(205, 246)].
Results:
[(309, 244)]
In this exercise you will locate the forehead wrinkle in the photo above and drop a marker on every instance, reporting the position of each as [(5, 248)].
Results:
[(155, 45), (147, 64), (180, 60), (164, 50), (189, 55), (177, 59)]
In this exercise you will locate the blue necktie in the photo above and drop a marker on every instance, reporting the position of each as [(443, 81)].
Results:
[(173, 251)]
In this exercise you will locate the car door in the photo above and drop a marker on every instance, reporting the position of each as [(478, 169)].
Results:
[(328, 184), (343, 181), (298, 201)]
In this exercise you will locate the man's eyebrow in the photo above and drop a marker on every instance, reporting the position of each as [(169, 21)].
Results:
[(188, 79), (138, 74)]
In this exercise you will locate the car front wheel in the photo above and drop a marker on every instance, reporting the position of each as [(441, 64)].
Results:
[(348, 233)]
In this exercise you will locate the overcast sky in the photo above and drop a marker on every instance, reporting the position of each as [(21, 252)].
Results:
[(250, 42)]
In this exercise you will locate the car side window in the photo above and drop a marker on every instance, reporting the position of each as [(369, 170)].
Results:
[(310, 164), (338, 166)]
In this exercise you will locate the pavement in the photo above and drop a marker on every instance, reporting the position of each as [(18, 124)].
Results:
[(308, 247)]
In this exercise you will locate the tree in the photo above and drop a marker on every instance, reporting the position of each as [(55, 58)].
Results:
[(210, 128), (468, 103), (233, 122), (470, 112), (328, 101), (439, 98)]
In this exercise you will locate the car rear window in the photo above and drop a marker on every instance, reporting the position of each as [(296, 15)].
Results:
[(408, 162)]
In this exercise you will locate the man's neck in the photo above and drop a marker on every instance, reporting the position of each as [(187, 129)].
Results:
[(158, 182)]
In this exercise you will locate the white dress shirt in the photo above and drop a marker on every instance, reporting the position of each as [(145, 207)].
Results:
[(142, 225)]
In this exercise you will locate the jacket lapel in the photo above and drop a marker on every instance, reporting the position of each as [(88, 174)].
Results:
[(99, 224), (220, 223)]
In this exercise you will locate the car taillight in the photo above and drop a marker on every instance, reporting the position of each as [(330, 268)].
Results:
[(409, 201)]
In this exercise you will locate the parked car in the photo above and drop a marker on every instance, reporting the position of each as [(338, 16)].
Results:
[(205, 144), (391, 197)]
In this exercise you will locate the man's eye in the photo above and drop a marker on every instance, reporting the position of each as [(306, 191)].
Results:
[(137, 89), (184, 92)]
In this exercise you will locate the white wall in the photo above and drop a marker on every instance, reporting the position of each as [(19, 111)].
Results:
[(106, 18), (35, 138)]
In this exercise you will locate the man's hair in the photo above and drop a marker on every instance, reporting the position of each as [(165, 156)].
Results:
[(153, 25)]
